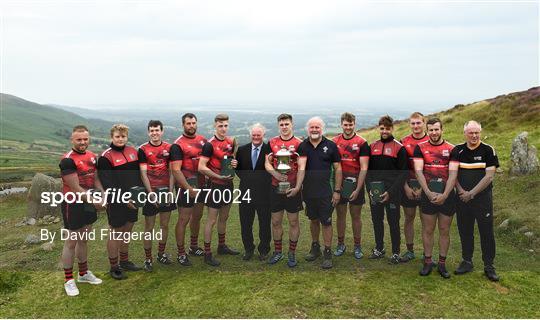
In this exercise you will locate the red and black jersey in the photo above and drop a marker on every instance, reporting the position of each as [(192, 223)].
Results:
[(215, 150), (436, 159), (118, 167), (83, 164), (189, 151), (156, 159), (351, 150), (410, 143), (388, 163), (276, 143)]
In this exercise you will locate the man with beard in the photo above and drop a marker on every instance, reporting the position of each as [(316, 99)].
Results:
[(289, 202), (436, 173), (317, 156), (354, 151), (410, 198), (477, 165), (154, 165), (388, 171), (185, 154), (78, 171), (118, 168), (218, 148)]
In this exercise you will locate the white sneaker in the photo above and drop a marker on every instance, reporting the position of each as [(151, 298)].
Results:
[(89, 277), (71, 288)]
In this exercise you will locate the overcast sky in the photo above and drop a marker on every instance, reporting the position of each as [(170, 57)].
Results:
[(249, 53)]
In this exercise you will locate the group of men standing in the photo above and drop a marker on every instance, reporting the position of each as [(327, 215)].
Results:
[(422, 170)]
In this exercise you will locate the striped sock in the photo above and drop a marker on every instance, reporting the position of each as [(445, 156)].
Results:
[(113, 261), (410, 247), (148, 253), (442, 260), (207, 250), (357, 241), (124, 256), (427, 260), (83, 268), (341, 240), (221, 239), (278, 245), (68, 273), (161, 248), (194, 241), (292, 245), (181, 250)]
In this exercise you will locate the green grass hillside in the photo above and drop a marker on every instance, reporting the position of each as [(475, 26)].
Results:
[(31, 280), (27, 121), (502, 119)]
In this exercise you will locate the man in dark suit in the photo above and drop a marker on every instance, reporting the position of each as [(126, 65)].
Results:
[(253, 177)]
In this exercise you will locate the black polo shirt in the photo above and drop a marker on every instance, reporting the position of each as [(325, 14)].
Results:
[(318, 167), (473, 164)]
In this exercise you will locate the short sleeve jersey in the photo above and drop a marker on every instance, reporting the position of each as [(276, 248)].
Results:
[(157, 160), (409, 143), (318, 167), (189, 151), (83, 164), (473, 164), (215, 151), (276, 144), (351, 150), (436, 159)]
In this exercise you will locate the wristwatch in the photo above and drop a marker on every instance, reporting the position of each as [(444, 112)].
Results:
[(337, 191)]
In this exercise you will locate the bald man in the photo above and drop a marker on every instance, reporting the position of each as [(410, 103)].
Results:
[(477, 164), (317, 156)]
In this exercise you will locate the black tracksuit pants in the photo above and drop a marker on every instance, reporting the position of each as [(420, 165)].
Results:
[(479, 210), (392, 216)]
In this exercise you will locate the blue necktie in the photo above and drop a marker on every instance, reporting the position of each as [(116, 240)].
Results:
[(254, 156)]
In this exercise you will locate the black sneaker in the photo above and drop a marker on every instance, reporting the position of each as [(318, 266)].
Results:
[(183, 260), (164, 259), (376, 254), (327, 259), (464, 267), (209, 260), (147, 266), (426, 269), (491, 274), (314, 253), (441, 268), (129, 266), (117, 273), (224, 249), (247, 255), (394, 259), (196, 251), (263, 256)]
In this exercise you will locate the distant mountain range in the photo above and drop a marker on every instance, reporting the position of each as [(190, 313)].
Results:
[(50, 125)]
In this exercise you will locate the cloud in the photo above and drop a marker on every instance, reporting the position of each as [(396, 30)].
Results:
[(99, 52)]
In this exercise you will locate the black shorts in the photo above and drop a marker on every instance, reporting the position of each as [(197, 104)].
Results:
[(448, 208), (184, 201), (280, 202), (408, 203), (320, 209), (75, 216), (119, 214), (150, 209), (218, 196), (360, 200)]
